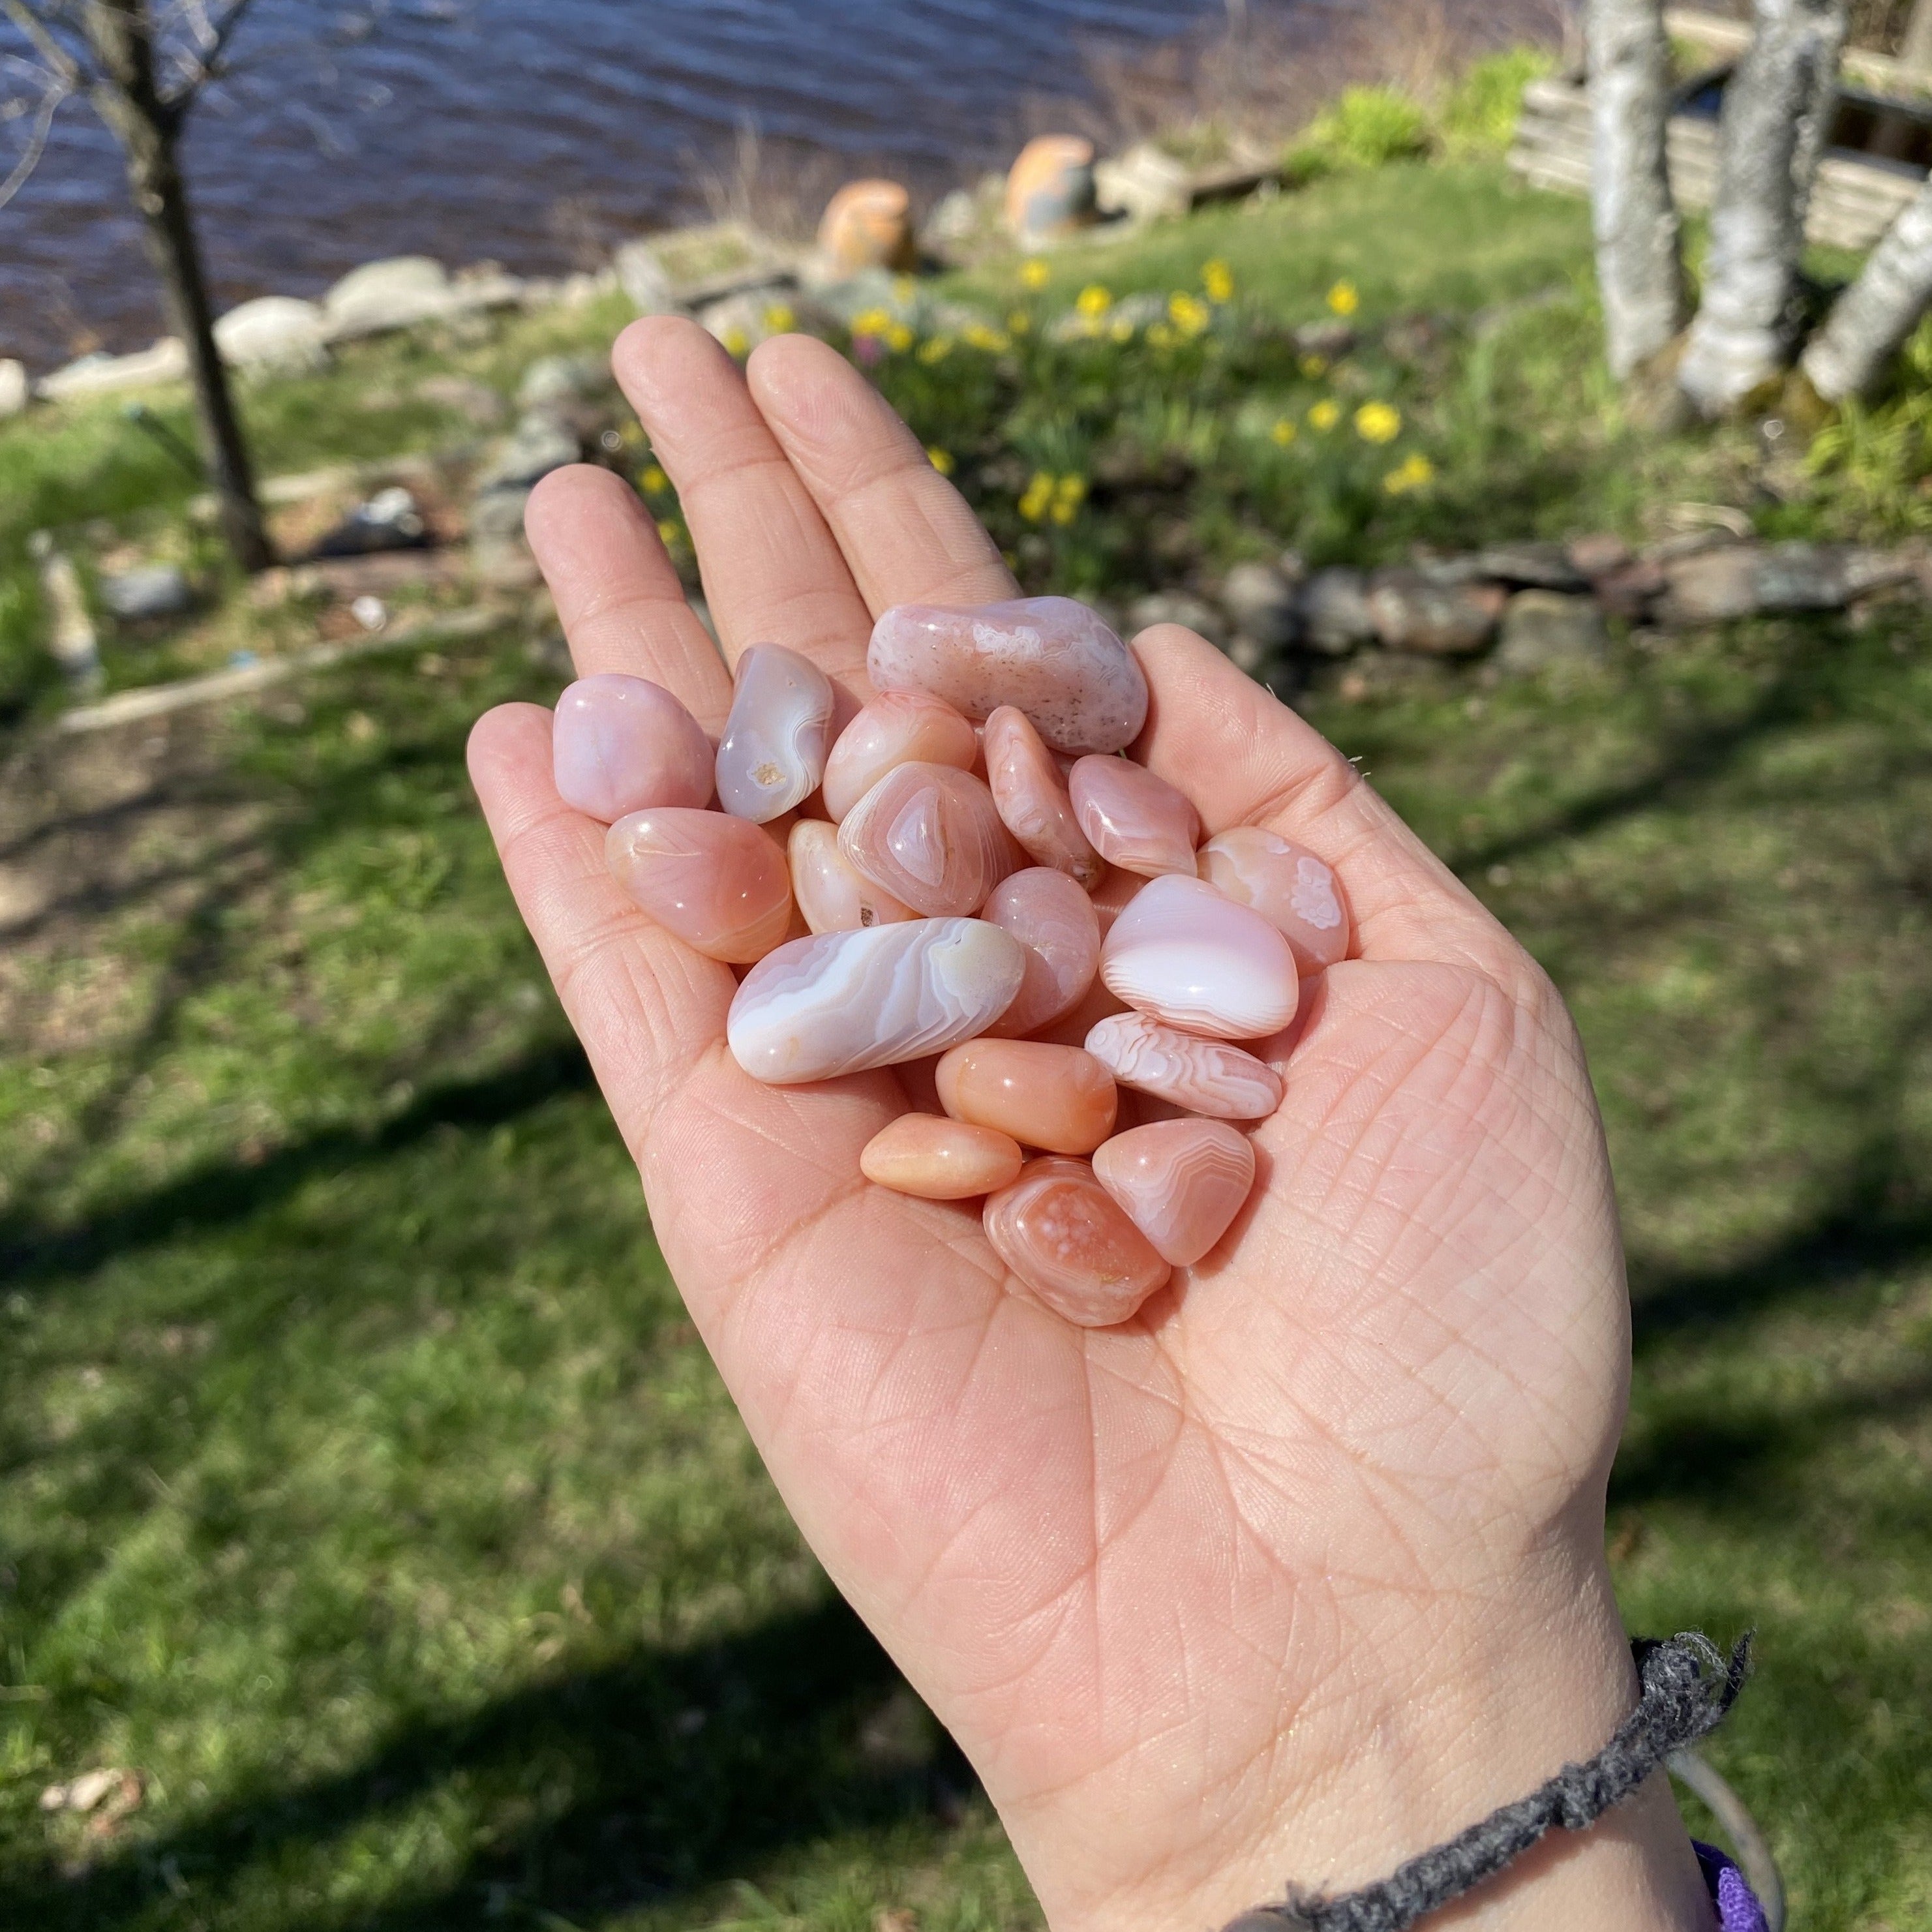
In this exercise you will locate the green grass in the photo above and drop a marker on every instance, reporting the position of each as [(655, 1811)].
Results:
[(361, 1481)]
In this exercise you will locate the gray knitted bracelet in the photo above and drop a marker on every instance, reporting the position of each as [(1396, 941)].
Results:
[(1688, 1687)]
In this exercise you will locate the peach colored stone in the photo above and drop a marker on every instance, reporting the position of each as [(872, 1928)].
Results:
[(1026, 787), (621, 745), (1200, 963), (1205, 1076), (1181, 1183), (1049, 657), (1133, 819), (898, 727), (931, 837), (1059, 1098), (941, 1159), (1055, 922), (1111, 897), (1296, 893), (832, 895), (773, 751), (1050, 189), (867, 224), (719, 883), (1068, 1240)]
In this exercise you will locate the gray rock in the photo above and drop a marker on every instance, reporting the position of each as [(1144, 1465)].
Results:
[(955, 218), (275, 332), (1413, 612), (555, 381), (149, 594), (476, 403), (1178, 607), (541, 443), (1146, 183), (1714, 586), (1542, 566), (389, 520), (644, 279), (98, 375), (1598, 553), (15, 390), (1543, 629), (1332, 338), (381, 295), (1336, 618), (1263, 603)]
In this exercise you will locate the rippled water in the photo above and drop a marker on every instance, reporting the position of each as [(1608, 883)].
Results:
[(521, 131)]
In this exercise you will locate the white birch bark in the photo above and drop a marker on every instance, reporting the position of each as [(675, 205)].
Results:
[(1640, 269), (1871, 320), (1778, 111)]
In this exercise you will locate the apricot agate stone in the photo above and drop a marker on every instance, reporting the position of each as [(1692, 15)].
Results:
[(1049, 657), (1181, 1183), (898, 727), (931, 837), (621, 745), (845, 1002), (832, 895), (773, 754), (1070, 1242), (940, 1159), (1199, 962), (1026, 786), (1059, 1098), (719, 883), (1296, 893), (1205, 1076), (1055, 922), (1135, 821)]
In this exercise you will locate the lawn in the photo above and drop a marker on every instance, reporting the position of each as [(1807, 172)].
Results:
[(362, 1484)]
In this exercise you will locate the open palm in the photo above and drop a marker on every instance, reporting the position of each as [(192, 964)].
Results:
[(1301, 1569)]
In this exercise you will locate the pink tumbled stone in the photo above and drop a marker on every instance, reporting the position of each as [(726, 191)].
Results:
[(1056, 923), (1200, 963), (1204, 1076), (720, 883), (931, 837), (1296, 893), (898, 727), (833, 896), (773, 751), (1050, 657), (1026, 787), (1181, 1183), (1134, 819), (1070, 1242), (621, 745), (1114, 893)]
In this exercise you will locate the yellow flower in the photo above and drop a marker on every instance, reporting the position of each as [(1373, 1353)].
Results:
[(1071, 489), (1093, 300), (780, 320), (871, 322), (1344, 298), (935, 349), (898, 337), (1034, 274), (1314, 367), (1416, 473), (1283, 432), (1122, 330), (737, 342), (1325, 414), (1018, 322), (978, 335), (1219, 280), (941, 459), (1161, 336), (1378, 422), (670, 533), (1191, 314), (1039, 496), (652, 481)]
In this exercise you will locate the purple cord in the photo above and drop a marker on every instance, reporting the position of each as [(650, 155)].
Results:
[(1737, 1908)]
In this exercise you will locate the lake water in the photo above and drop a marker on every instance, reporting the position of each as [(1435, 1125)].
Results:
[(528, 132)]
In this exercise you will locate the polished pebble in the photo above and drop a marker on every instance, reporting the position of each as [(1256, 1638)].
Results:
[(621, 745), (1181, 1183), (1031, 795), (1132, 819), (1055, 921), (1296, 893), (772, 755), (898, 727), (931, 837), (845, 1002), (1059, 1098), (1114, 893), (1185, 954), (720, 883), (1204, 1076), (940, 1159), (1050, 657), (833, 896), (1068, 1240)]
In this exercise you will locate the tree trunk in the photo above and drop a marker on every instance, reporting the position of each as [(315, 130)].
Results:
[(1870, 322), (1778, 111), (1640, 267)]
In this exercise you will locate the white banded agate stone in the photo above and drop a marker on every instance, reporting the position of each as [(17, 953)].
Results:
[(1204, 1076), (620, 744), (1181, 1183), (1050, 657), (846, 1002), (772, 755), (1296, 893), (1187, 956)]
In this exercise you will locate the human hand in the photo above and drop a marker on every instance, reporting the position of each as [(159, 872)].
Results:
[(1300, 1571)]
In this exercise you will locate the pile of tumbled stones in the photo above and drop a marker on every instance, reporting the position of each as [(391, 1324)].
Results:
[(973, 870)]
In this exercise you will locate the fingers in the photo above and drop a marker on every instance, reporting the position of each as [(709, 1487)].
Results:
[(907, 534), (617, 593), (773, 572)]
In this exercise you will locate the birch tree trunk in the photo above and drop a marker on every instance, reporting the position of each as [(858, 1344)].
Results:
[(1777, 111), (1870, 322), (1640, 266)]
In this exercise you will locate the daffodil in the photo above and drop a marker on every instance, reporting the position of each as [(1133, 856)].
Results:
[(1034, 274), (1325, 414), (1378, 422), (653, 481), (1344, 298), (1218, 279), (1283, 432), (1415, 472), (941, 459), (935, 349), (1092, 300), (780, 320)]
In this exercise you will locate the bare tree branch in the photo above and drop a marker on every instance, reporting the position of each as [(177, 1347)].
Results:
[(1870, 322), (64, 64), (52, 94), (221, 29)]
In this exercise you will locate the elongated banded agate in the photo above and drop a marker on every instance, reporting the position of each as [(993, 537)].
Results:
[(1181, 1183), (1032, 798), (1185, 956), (1072, 1245), (773, 751), (1205, 1076)]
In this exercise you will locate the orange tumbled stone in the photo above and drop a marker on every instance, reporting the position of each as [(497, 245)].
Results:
[(898, 727), (1059, 1098), (941, 1159), (1067, 1239)]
